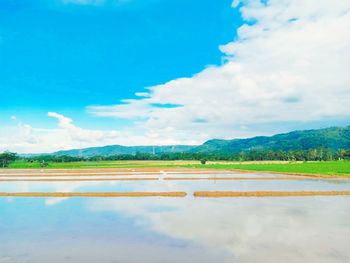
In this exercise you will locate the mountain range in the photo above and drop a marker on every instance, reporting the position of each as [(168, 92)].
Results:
[(334, 138)]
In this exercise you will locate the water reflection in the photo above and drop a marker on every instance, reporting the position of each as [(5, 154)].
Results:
[(73, 231), (252, 230), (296, 229), (153, 229), (167, 185)]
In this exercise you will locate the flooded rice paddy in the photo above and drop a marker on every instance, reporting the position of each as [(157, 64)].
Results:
[(156, 216)]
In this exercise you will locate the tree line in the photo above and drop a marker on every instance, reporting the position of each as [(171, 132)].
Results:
[(318, 154), (6, 158)]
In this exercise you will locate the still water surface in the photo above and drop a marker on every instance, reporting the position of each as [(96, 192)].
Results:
[(155, 229)]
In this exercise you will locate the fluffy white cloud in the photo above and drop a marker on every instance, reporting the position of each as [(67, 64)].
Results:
[(289, 64), (83, 135), (24, 138), (249, 230)]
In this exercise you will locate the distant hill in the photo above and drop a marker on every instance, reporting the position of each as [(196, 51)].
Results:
[(119, 149), (333, 138)]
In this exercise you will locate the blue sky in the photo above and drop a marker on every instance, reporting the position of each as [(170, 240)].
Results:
[(79, 73), (64, 56)]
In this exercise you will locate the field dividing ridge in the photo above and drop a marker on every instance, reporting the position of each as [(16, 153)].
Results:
[(218, 194)]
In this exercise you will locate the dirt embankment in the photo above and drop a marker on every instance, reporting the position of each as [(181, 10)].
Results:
[(218, 194)]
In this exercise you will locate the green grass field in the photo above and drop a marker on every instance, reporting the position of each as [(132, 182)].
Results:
[(102, 164), (339, 168)]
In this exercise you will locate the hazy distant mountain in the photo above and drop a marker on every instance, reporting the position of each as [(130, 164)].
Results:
[(119, 149), (332, 138)]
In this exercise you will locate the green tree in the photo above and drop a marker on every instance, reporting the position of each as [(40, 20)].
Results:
[(342, 154), (6, 158), (44, 164)]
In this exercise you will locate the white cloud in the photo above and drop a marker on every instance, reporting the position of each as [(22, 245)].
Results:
[(78, 134), (290, 63), (248, 230), (23, 138)]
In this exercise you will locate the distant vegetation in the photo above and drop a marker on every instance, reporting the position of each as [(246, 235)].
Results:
[(332, 144), (333, 139), (124, 150), (339, 168), (321, 154), (6, 158)]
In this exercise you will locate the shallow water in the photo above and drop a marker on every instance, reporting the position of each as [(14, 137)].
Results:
[(155, 229), (186, 185)]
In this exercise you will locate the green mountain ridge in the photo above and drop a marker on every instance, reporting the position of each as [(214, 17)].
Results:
[(119, 149), (333, 138)]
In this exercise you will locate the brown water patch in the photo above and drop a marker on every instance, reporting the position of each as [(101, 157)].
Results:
[(267, 193), (94, 194)]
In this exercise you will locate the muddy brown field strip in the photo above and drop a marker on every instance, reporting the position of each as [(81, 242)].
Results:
[(217, 194)]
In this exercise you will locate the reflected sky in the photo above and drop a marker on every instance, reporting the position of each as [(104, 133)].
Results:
[(155, 229), (293, 229), (186, 185)]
